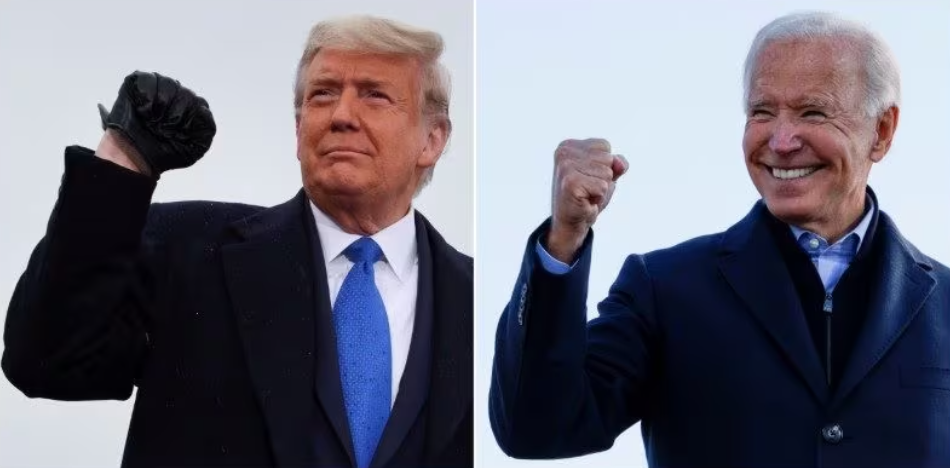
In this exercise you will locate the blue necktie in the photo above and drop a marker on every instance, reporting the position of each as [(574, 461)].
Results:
[(362, 342)]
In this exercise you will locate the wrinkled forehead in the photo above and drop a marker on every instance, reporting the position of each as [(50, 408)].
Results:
[(366, 64), (825, 66)]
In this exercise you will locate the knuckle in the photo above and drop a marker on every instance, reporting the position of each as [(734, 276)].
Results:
[(570, 179), (578, 192), (564, 145), (559, 155), (599, 144), (563, 154), (594, 153)]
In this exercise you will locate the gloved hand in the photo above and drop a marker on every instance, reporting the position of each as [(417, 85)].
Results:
[(167, 124)]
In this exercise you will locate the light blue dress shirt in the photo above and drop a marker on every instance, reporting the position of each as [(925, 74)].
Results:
[(551, 264), (832, 261)]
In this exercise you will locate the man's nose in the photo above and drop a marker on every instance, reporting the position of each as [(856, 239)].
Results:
[(785, 137), (345, 114)]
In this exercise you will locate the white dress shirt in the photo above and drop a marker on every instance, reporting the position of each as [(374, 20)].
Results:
[(397, 277)]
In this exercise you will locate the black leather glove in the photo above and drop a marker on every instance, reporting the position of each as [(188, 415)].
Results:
[(167, 124)]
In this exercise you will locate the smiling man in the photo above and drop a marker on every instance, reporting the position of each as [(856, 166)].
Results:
[(332, 330), (810, 333)]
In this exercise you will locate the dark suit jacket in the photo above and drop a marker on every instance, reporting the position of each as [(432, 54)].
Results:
[(219, 314), (706, 344)]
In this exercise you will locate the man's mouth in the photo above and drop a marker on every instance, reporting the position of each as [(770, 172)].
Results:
[(344, 150), (792, 174)]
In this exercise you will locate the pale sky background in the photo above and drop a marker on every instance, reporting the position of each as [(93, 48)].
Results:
[(60, 58), (662, 82)]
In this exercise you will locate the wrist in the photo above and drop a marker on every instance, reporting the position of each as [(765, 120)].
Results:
[(115, 148), (564, 242)]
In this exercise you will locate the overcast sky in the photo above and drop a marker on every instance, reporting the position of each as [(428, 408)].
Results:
[(60, 58)]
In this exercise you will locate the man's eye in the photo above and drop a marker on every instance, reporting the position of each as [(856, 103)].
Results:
[(377, 95), (814, 114), (760, 113), (321, 94)]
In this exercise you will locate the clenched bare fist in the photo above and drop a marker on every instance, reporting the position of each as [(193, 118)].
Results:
[(585, 174)]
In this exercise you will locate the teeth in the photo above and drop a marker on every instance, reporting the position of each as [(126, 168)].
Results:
[(788, 174)]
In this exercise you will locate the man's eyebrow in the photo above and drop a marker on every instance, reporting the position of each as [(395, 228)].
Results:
[(323, 81), (809, 101), (372, 83), (812, 101)]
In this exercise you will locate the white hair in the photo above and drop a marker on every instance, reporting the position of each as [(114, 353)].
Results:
[(369, 34), (882, 77)]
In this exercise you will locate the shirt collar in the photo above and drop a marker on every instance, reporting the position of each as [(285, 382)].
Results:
[(860, 230), (397, 241)]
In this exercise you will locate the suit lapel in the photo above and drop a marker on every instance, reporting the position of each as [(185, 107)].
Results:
[(270, 281), (451, 395), (901, 288), (414, 386), (438, 375), (752, 264)]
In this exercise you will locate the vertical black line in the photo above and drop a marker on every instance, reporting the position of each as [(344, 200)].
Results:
[(828, 346), (828, 307)]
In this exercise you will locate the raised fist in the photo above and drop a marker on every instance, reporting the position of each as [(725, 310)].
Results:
[(168, 125), (585, 174)]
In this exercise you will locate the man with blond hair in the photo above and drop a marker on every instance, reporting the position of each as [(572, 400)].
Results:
[(810, 333), (332, 330)]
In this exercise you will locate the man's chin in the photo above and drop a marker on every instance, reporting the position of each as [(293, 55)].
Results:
[(795, 211), (343, 191), (338, 187)]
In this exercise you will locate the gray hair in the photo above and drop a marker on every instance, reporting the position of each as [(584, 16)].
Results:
[(882, 77), (368, 34)]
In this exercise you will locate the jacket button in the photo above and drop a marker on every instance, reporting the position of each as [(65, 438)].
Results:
[(832, 433)]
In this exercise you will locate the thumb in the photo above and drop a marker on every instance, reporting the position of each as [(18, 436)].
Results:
[(103, 115), (619, 166)]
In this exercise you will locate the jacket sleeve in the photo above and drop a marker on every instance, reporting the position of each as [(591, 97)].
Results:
[(562, 387), (75, 328)]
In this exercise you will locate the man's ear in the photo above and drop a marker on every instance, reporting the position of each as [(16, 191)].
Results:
[(436, 139), (297, 132), (885, 128)]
